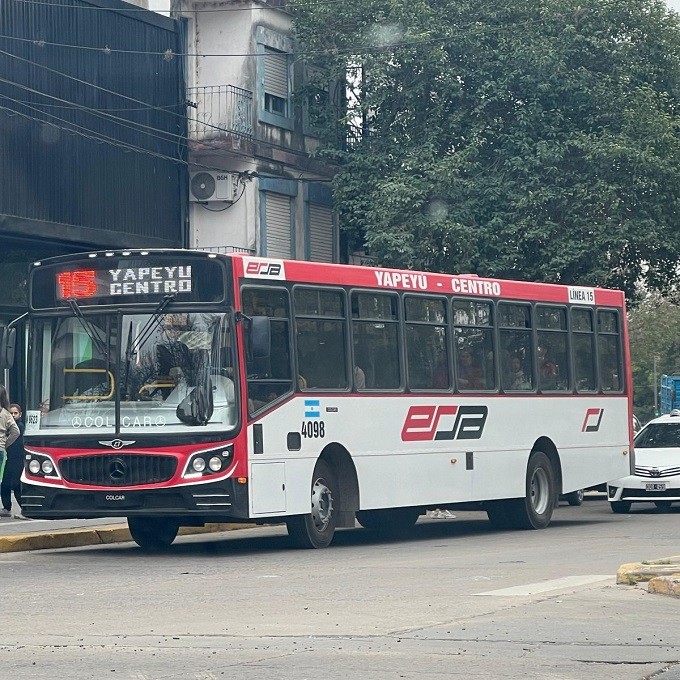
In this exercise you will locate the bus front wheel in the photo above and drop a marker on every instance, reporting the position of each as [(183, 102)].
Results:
[(317, 528), (153, 533)]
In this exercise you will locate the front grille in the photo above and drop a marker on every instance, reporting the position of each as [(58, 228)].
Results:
[(652, 495), (656, 472), (118, 469)]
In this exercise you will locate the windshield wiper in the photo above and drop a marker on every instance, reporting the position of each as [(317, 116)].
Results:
[(144, 335), (90, 329)]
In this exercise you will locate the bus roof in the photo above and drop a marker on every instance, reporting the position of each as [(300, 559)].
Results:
[(466, 285)]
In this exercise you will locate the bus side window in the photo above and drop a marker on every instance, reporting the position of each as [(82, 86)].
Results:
[(375, 336), (583, 347), (320, 332), (263, 388)]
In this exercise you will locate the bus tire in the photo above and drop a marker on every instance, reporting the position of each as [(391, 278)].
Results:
[(153, 534), (317, 528), (620, 507), (390, 521), (574, 498), (535, 510)]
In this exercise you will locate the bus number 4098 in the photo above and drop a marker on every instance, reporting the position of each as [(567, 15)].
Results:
[(313, 429)]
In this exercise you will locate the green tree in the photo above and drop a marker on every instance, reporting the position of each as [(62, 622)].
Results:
[(522, 139), (654, 329)]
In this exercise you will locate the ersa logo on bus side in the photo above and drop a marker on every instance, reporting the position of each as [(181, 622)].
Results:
[(264, 269), (444, 422)]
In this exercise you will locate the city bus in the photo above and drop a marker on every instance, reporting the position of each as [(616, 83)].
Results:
[(178, 388)]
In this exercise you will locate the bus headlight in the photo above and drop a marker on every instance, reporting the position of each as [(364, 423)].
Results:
[(207, 463), (41, 465)]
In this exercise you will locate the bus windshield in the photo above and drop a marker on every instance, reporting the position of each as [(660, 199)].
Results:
[(175, 373)]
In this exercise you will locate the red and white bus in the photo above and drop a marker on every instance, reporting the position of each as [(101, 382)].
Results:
[(177, 388)]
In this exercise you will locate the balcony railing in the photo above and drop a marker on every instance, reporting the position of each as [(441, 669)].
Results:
[(219, 111), (225, 249)]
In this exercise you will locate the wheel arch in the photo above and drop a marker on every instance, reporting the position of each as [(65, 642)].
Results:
[(339, 458), (547, 446)]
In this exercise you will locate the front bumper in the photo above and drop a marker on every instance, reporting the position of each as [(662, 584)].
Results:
[(226, 500), (634, 488)]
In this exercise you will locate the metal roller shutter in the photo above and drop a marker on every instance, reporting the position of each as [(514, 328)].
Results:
[(276, 73), (277, 217), (320, 233)]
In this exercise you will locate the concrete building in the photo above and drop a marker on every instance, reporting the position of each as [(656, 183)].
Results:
[(254, 184)]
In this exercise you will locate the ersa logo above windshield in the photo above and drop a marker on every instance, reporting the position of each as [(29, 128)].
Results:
[(264, 269), (432, 423)]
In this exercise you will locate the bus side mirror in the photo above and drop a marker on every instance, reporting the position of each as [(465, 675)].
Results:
[(260, 345), (7, 347)]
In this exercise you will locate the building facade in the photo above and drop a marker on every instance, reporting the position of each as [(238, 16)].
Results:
[(255, 185)]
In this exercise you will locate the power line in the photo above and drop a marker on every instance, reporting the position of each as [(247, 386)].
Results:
[(124, 122), (169, 54), (282, 6)]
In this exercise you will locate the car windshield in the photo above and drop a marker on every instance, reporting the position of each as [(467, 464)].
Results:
[(659, 436), (172, 372)]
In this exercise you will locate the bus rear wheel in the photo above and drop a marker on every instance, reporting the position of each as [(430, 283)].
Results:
[(153, 533), (316, 529), (389, 522), (535, 510)]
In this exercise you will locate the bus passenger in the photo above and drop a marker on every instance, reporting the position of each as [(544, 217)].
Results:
[(469, 372)]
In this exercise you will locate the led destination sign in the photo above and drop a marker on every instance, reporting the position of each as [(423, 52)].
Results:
[(188, 277), (89, 283)]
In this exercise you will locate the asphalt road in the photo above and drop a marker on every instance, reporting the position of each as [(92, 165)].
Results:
[(456, 600)]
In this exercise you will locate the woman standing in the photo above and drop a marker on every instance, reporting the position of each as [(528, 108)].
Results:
[(8, 433)]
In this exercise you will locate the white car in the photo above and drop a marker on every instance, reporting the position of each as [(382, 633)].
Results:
[(657, 467)]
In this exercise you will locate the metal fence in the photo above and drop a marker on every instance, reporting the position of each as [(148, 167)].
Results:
[(220, 110), (225, 249)]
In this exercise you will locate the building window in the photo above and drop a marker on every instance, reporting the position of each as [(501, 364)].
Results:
[(277, 218), (319, 227), (274, 78)]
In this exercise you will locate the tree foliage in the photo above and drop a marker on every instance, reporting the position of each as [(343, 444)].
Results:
[(654, 329), (523, 139)]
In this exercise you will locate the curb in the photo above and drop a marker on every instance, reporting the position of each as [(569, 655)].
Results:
[(75, 538), (662, 576)]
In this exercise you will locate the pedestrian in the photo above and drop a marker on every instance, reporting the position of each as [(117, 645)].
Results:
[(11, 480), (9, 431)]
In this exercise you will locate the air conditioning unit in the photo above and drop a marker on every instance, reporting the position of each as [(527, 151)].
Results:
[(207, 186)]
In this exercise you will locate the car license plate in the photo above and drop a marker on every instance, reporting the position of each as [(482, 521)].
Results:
[(656, 486)]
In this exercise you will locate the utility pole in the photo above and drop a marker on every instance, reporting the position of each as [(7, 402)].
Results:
[(656, 389)]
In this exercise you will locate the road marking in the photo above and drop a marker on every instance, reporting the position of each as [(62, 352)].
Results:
[(547, 586)]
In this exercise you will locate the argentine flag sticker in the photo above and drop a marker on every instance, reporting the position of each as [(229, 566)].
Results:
[(312, 408)]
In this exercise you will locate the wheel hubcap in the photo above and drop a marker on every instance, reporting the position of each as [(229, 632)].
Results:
[(322, 505), (540, 491)]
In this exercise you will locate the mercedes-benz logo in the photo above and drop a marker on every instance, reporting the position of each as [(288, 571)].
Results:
[(116, 443), (117, 469)]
